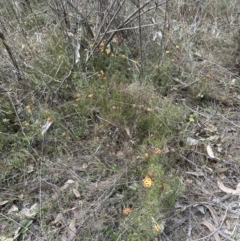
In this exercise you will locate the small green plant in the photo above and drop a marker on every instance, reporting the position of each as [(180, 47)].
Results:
[(192, 117)]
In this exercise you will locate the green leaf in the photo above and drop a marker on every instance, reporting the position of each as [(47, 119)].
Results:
[(25, 227)]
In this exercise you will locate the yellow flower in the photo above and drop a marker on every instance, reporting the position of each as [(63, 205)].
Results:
[(49, 119), (167, 52), (64, 133), (149, 110), (27, 124), (156, 228), (173, 60), (147, 182), (78, 96), (123, 56), (157, 151), (108, 51), (28, 107), (177, 47), (90, 96), (191, 119), (208, 76), (126, 211), (146, 155)]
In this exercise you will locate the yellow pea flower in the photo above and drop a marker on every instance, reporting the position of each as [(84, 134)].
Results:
[(126, 211), (147, 182), (158, 151)]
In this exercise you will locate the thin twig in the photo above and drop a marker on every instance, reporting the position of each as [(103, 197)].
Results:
[(9, 51), (83, 20), (140, 42), (106, 31)]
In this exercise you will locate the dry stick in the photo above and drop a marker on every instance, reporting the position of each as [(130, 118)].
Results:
[(126, 21), (66, 19), (166, 21), (115, 14), (231, 122), (133, 27), (83, 20), (140, 42), (105, 16), (106, 30), (130, 20), (19, 77)]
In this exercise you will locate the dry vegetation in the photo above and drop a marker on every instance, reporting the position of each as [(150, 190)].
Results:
[(119, 120)]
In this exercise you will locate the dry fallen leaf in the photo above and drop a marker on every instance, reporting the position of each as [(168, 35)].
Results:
[(227, 189), (85, 165), (238, 187), (212, 229), (66, 185), (189, 181), (29, 168), (58, 218), (70, 209), (76, 193), (30, 212), (3, 202), (213, 214), (72, 230), (228, 224), (128, 132), (46, 126), (3, 238), (197, 174), (192, 142), (221, 170), (14, 208), (210, 151)]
